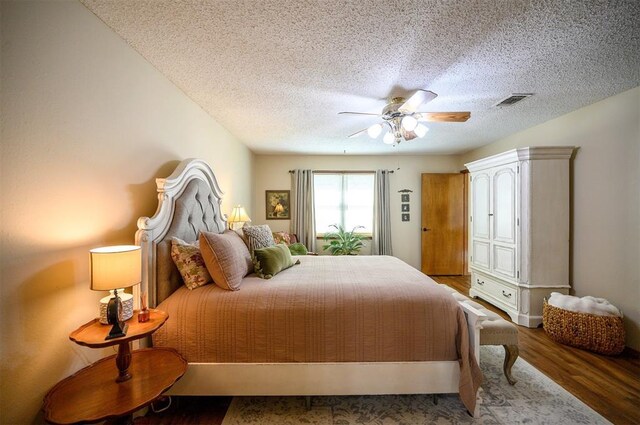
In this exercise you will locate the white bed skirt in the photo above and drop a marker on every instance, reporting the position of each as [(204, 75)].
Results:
[(319, 378)]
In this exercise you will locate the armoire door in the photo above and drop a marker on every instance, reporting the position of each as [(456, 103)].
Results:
[(504, 221), (481, 220), (443, 224)]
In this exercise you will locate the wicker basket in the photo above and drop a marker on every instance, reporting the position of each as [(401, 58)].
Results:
[(601, 334)]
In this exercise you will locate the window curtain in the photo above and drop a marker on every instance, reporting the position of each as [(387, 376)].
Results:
[(381, 243), (302, 219)]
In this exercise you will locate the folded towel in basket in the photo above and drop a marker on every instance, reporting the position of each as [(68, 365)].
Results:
[(588, 304)]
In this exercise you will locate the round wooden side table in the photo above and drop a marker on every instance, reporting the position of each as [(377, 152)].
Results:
[(118, 385), (93, 335)]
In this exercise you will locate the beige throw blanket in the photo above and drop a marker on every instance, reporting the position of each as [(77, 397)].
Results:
[(327, 309)]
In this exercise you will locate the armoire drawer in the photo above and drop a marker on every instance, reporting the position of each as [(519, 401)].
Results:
[(495, 289)]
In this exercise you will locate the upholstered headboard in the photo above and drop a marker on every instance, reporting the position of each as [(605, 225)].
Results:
[(188, 203)]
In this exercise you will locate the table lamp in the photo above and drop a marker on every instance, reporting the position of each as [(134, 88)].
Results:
[(238, 215), (114, 268)]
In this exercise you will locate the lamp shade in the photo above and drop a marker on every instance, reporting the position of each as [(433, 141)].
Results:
[(238, 215), (114, 267)]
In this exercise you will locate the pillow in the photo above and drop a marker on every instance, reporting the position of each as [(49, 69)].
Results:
[(226, 257), (190, 263), (270, 261), (282, 237), (298, 249), (258, 237), (240, 233)]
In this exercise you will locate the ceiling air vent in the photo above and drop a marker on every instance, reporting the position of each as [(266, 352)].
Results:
[(513, 98)]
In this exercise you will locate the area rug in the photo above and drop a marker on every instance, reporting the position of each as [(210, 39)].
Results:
[(535, 399)]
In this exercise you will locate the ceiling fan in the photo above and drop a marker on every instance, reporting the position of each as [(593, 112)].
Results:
[(401, 120)]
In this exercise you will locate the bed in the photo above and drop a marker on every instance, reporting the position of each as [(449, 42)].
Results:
[(328, 326)]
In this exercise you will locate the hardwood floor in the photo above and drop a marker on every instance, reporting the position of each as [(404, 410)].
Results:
[(609, 385)]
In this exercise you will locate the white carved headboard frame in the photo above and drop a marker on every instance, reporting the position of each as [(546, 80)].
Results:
[(189, 201)]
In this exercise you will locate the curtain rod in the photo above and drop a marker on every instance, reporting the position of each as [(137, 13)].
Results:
[(343, 171)]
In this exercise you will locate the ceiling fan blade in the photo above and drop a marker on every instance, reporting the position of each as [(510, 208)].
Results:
[(418, 98), (443, 116), (358, 133), (359, 113)]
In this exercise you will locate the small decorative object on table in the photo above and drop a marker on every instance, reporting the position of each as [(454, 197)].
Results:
[(143, 314)]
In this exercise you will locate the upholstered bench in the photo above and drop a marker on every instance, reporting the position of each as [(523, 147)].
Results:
[(495, 331)]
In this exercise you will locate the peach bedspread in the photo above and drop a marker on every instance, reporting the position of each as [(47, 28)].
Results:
[(326, 309)]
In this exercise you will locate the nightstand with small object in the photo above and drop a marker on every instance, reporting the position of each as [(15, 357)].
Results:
[(116, 386)]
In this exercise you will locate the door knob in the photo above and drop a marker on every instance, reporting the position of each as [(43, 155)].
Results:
[(424, 229)]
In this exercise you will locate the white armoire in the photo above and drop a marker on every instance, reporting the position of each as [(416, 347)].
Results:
[(519, 229)]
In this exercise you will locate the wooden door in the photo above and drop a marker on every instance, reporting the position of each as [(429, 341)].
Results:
[(443, 224)]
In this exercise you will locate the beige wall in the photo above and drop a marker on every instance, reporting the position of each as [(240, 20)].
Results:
[(271, 172), (87, 125), (606, 197)]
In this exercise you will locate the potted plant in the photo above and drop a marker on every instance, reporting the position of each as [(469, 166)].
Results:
[(342, 242)]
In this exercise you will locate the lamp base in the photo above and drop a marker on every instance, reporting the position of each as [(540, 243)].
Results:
[(117, 330), (114, 317), (127, 306)]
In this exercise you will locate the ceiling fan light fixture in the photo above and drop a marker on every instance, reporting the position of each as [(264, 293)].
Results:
[(374, 131), (402, 123), (421, 130), (388, 138), (409, 123)]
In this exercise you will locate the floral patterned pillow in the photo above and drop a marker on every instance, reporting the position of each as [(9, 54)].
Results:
[(188, 259), (282, 237)]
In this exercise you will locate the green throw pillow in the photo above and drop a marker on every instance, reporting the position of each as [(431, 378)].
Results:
[(268, 262), (298, 249)]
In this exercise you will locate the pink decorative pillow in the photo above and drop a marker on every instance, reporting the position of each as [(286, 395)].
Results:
[(190, 263), (226, 257)]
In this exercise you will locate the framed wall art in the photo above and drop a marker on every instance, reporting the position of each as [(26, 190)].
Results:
[(277, 205)]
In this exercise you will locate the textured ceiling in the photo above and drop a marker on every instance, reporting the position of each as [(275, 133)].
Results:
[(275, 73)]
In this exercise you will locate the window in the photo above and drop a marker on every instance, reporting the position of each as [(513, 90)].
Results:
[(345, 199)]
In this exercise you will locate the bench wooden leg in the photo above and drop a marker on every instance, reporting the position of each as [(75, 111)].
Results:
[(510, 355)]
